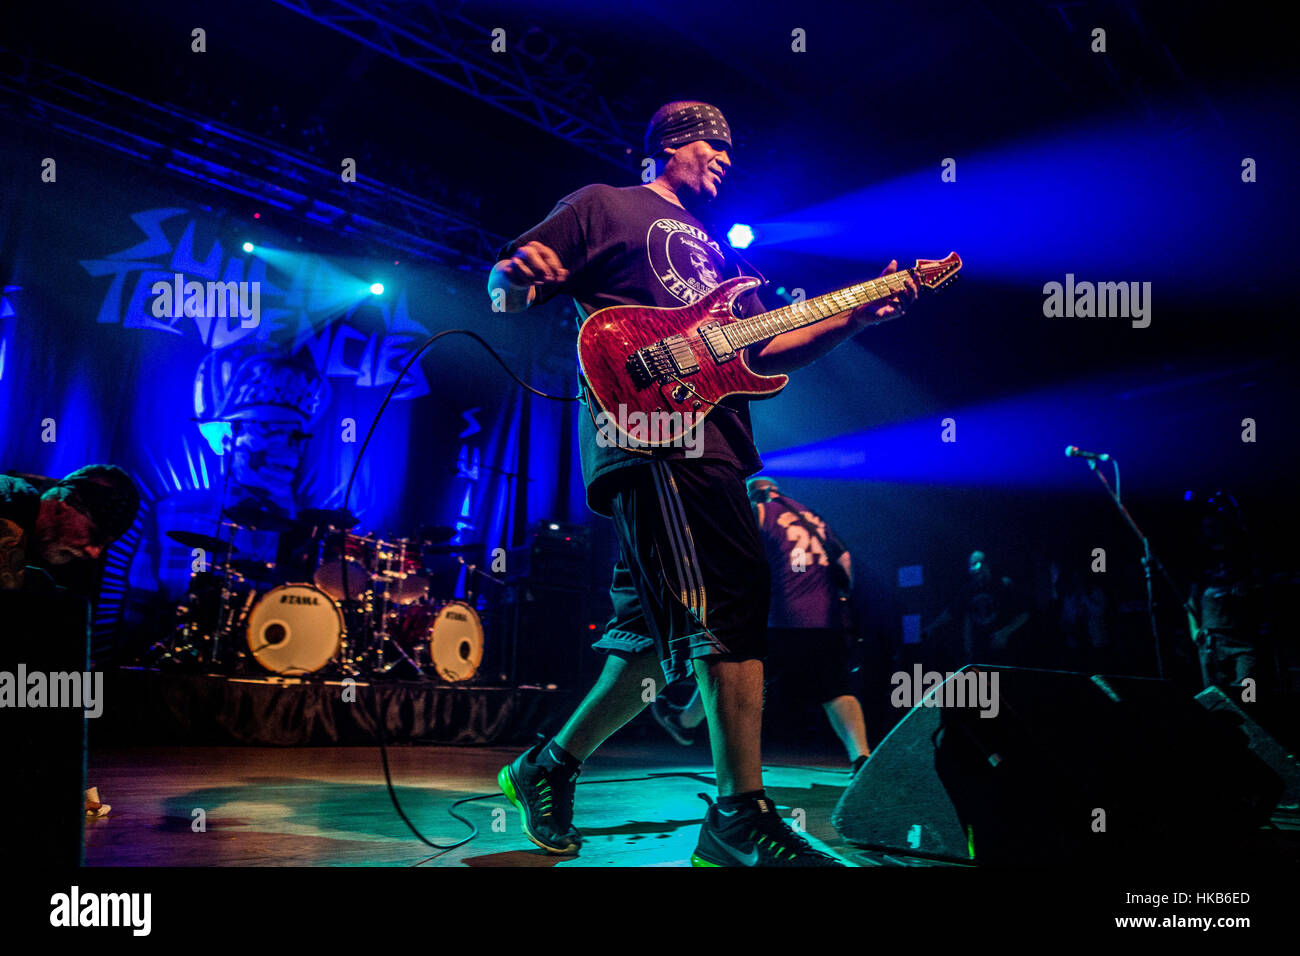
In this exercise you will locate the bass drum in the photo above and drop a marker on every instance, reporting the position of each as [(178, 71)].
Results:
[(294, 629), (453, 636)]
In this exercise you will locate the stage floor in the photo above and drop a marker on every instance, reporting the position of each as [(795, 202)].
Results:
[(636, 805)]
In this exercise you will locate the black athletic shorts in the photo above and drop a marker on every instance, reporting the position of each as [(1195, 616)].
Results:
[(692, 578)]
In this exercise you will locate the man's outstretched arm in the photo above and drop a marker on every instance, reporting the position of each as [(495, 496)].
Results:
[(800, 347)]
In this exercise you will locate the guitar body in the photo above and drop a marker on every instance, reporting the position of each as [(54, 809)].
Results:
[(656, 374), (610, 340)]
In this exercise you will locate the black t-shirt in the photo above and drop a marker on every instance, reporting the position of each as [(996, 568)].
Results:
[(987, 608), (806, 585), (630, 246)]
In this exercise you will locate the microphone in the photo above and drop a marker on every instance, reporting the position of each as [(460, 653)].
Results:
[(1074, 451)]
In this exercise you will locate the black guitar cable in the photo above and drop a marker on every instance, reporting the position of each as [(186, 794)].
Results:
[(347, 495)]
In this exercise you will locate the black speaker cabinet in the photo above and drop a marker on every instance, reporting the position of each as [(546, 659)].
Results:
[(1262, 744), (1072, 768), (43, 748), (548, 634)]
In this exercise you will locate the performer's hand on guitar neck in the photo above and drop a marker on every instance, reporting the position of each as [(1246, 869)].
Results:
[(533, 266), (797, 348), (882, 310)]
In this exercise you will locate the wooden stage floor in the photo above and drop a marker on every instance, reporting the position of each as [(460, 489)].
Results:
[(636, 805)]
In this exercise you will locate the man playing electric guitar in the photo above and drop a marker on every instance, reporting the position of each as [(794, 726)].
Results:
[(690, 590)]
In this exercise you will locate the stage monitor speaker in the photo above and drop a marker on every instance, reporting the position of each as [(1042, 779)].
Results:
[(1067, 768), (42, 748), (1262, 744)]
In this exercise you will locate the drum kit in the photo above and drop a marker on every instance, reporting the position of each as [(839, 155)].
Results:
[(334, 604)]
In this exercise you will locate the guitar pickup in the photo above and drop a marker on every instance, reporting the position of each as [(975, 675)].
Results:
[(683, 356), (716, 342)]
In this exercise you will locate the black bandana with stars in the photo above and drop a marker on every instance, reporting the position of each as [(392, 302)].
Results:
[(686, 125)]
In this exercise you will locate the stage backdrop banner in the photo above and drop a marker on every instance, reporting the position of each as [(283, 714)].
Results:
[(114, 347)]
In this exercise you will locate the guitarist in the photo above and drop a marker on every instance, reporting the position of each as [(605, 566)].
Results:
[(691, 588)]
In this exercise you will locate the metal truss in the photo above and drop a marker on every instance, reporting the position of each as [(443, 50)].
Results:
[(438, 41), (172, 141)]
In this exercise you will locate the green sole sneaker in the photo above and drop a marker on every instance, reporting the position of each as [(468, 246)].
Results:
[(505, 781)]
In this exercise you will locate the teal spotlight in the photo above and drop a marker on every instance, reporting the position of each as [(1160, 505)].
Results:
[(248, 247), (377, 288)]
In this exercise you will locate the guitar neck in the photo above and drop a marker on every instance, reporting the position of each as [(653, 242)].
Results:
[(796, 315)]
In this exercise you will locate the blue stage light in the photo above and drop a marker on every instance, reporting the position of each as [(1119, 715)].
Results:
[(377, 288), (740, 236), (248, 247)]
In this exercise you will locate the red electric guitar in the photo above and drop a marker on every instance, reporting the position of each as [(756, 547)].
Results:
[(664, 370)]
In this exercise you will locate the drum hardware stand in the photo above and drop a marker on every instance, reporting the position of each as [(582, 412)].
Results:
[(226, 594), (472, 569), (226, 614), (171, 647), (354, 610), (1149, 560), (384, 638)]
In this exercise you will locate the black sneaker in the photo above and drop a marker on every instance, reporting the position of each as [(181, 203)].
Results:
[(545, 801), (754, 836), (669, 718)]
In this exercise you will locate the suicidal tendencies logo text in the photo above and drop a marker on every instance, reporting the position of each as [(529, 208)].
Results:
[(686, 260)]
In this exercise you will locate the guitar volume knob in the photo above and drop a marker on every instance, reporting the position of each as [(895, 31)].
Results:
[(679, 393)]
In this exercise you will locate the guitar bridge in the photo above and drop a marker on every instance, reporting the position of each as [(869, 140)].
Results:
[(662, 362)]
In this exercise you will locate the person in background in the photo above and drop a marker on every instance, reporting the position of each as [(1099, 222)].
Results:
[(1228, 595), (46, 531), (57, 537), (993, 614), (812, 577), (1084, 617)]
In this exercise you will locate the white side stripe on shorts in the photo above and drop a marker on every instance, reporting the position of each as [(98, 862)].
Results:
[(682, 545)]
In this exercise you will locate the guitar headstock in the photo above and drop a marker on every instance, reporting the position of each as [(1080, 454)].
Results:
[(937, 273)]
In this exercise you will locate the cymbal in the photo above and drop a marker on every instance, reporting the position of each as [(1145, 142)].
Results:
[(193, 539), (329, 517), (258, 517)]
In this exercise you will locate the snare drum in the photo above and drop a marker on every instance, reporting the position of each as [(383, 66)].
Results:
[(294, 629)]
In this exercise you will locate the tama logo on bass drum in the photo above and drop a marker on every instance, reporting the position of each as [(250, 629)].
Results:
[(298, 599)]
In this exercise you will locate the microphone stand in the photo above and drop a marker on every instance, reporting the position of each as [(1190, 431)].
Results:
[(1149, 560)]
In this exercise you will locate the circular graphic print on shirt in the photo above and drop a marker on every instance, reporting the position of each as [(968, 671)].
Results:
[(688, 263)]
